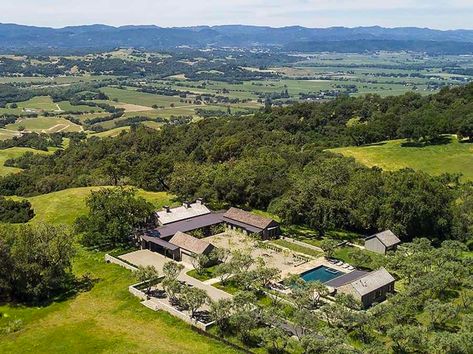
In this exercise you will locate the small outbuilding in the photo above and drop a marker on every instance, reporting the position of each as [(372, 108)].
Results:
[(382, 242), (190, 246), (370, 288), (249, 223)]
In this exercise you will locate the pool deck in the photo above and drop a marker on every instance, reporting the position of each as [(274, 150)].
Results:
[(311, 265)]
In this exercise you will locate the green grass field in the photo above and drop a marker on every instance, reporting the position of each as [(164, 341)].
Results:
[(67, 106), (107, 318), (65, 206), (44, 103), (454, 157), (45, 125), (140, 98), (110, 133), (13, 153)]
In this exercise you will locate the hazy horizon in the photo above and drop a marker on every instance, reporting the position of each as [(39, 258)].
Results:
[(434, 14), (227, 24)]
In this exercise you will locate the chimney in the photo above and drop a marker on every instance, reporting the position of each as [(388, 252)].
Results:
[(199, 201), (187, 205), (168, 210)]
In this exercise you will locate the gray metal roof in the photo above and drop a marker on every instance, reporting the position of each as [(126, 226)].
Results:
[(372, 281), (194, 223), (387, 238), (182, 213), (346, 278), (160, 242), (243, 225)]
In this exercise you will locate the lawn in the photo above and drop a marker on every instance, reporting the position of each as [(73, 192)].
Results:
[(454, 157), (12, 153), (373, 260), (106, 318), (207, 273), (297, 248)]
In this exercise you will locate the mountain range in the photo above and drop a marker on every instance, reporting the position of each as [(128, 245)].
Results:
[(19, 38)]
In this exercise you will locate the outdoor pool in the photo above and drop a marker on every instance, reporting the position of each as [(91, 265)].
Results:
[(322, 274)]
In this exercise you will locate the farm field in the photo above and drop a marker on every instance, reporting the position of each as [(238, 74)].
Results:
[(306, 77), (42, 103), (67, 107), (6, 134), (58, 80), (133, 97), (110, 133), (453, 157), (45, 125)]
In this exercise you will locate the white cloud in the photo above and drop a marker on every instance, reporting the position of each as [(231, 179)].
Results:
[(314, 13)]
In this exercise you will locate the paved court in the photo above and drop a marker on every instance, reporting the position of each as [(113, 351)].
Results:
[(147, 258)]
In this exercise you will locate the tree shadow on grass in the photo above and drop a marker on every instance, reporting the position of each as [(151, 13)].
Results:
[(73, 287), (382, 143), (441, 140), (466, 141)]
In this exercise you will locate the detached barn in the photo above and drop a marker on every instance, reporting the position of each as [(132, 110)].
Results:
[(382, 242)]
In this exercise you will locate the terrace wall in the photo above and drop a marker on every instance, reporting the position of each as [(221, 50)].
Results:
[(156, 305), (111, 259)]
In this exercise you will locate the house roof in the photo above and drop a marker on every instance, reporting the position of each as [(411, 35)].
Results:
[(189, 224), (189, 243), (159, 242), (387, 238), (245, 217), (372, 281), (346, 278), (182, 213)]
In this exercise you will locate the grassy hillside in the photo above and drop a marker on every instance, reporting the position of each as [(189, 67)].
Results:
[(454, 157), (65, 206), (105, 319), (11, 154), (111, 132)]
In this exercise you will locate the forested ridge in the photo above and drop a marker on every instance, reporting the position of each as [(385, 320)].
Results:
[(276, 160)]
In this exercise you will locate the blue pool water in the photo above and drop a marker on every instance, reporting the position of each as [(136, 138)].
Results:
[(322, 274)]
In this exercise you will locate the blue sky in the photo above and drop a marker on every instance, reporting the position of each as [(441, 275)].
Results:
[(441, 14)]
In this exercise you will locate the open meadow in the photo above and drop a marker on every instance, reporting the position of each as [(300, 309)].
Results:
[(451, 157), (13, 153)]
